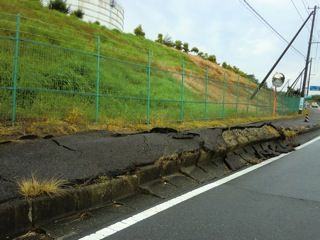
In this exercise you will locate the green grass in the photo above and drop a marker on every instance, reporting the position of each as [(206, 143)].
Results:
[(57, 74)]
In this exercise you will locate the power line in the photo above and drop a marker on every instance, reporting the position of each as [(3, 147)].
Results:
[(305, 6), (316, 55), (299, 13), (295, 6), (302, 18), (306, 9), (258, 15), (316, 62), (315, 68)]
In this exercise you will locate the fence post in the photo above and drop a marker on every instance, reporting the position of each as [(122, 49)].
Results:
[(15, 72), (182, 92), (271, 101), (280, 104), (149, 87), (248, 104), (224, 93), (237, 97), (206, 95), (279, 108), (98, 55), (257, 106), (285, 105)]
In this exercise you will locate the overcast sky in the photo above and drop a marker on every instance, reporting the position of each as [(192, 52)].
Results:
[(230, 31)]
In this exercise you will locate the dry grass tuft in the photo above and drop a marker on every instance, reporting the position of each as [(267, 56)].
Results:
[(76, 117), (32, 188), (289, 133)]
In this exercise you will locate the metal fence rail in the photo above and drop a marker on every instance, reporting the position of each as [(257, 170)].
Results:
[(40, 81)]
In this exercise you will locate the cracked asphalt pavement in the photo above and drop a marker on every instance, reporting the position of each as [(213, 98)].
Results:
[(278, 201), (81, 157)]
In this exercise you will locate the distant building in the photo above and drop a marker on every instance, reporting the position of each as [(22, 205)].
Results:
[(108, 13)]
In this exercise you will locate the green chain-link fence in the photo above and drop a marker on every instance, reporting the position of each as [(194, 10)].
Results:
[(41, 80)]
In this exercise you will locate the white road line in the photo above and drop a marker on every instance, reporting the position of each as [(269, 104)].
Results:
[(114, 228), (308, 143)]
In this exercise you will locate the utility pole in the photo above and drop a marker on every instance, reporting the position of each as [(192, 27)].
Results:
[(285, 85), (281, 56), (295, 82), (309, 77), (307, 62)]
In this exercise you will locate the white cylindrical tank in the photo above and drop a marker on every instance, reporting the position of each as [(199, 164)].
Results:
[(108, 13)]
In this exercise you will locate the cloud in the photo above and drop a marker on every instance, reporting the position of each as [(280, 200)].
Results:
[(226, 29), (263, 46), (270, 3)]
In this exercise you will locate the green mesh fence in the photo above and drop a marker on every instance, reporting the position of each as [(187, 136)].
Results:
[(41, 80), (54, 83), (124, 99), (6, 69)]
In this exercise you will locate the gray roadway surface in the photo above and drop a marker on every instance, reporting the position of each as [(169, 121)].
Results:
[(278, 201)]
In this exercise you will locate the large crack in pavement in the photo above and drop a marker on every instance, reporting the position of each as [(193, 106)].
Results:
[(64, 146)]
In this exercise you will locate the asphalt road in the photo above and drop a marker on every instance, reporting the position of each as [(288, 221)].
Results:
[(278, 201)]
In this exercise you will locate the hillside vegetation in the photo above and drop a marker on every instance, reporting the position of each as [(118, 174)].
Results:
[(61, 76)]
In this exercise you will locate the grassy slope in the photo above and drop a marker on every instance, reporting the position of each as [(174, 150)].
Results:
[(46, 67)]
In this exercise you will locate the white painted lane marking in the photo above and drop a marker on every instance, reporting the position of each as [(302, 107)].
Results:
[(108, 231), (308, 143), (105, 232), (118, 226)]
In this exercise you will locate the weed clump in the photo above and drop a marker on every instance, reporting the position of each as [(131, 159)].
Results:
[(32, 188)]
